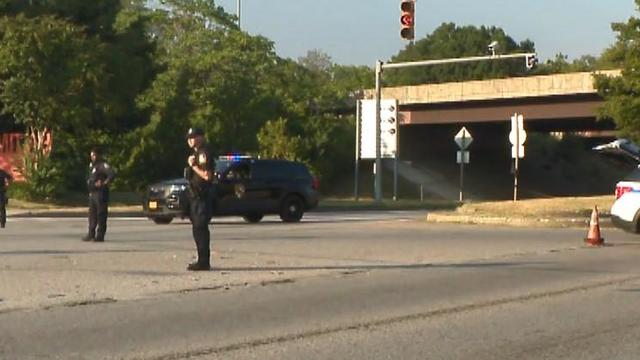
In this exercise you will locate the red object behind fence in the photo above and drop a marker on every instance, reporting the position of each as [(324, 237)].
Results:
[(11, 154)]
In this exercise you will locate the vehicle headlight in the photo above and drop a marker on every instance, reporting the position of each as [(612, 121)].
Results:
[(177, 188)]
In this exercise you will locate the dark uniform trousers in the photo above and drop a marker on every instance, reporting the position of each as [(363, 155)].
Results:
[(200, 216), (98, 212), (3, 208)]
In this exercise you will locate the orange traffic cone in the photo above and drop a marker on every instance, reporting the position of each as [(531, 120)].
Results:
[(593, 236)]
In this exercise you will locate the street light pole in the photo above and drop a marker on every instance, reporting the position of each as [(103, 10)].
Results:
[(238, 11)]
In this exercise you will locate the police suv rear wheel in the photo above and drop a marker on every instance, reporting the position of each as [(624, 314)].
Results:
[(292, 209), (252, 218)]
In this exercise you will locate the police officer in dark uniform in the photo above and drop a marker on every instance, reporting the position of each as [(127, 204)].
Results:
[(5, 179), (200, 174), (100, 177)]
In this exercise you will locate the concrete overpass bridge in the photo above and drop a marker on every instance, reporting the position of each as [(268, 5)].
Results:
[(430, 116), (558, 102)]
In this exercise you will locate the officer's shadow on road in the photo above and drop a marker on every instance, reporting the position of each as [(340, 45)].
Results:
[(71, 252), (373, 267)]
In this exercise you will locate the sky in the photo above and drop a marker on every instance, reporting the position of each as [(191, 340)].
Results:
[(359, 32)]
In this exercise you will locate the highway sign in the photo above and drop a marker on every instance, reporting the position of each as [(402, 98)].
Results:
[(517, 128), (463, 138), (462, 157), (517, 136), (388, 128), (520, 152)]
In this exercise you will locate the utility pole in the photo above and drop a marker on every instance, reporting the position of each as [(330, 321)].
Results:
[(238, 12)]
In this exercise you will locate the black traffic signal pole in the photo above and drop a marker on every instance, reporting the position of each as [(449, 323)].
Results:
[(380, 66)]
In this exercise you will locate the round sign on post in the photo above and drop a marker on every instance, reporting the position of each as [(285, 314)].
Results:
[(522, 137), (517, 136), (517, 125)]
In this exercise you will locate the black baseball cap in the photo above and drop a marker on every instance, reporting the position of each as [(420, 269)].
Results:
[(194, 131)]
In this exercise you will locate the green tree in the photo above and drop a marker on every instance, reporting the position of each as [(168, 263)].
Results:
[(622, 102), (452, 41), (316, 60), (121, 50), (212, 76), (47, 78), (560, 64), (278, 141), (319, 100)]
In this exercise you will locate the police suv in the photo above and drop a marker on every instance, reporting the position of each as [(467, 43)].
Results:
[(244, 187)]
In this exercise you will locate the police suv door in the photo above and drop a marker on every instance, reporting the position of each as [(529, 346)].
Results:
[(230, 189)]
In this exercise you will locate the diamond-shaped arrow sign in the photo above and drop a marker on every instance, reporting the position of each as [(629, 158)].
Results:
[(463, 138)]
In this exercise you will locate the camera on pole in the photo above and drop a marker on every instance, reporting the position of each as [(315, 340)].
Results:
[(407, 19)]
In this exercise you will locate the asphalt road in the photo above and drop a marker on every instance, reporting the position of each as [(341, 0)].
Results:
[(372, 285)]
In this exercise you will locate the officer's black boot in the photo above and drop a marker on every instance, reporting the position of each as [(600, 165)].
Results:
[(199, 265), (99, 236), (89, 237)]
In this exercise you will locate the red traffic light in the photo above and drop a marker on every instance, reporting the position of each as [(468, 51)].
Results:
[(407, 19)]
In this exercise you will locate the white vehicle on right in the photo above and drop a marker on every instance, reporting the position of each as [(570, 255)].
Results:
[(625, 211)]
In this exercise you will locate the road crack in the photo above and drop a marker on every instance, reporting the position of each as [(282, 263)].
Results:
[(393, 320)]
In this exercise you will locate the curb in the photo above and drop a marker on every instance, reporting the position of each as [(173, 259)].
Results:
[(70, 214), (515, 221), (74, 212)]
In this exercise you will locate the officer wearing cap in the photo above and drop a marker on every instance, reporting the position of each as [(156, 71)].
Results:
[(5, 179), (100, 177), (199, 173)]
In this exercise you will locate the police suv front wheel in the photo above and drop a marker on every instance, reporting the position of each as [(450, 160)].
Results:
[(252, 218), (292, 209), (162, 220)]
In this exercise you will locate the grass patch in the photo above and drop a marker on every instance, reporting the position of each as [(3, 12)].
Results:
[(540, 208), (401, 204), (121, 199)]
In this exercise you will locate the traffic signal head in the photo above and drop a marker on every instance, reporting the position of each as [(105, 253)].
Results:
[(530, 61), (407, 19)]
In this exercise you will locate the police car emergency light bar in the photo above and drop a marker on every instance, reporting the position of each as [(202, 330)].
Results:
[(234, 157)]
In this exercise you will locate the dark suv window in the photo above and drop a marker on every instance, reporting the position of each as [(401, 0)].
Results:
[(279, 169), (238, 171)]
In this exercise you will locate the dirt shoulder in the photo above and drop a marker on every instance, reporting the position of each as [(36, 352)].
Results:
[(557, 212)]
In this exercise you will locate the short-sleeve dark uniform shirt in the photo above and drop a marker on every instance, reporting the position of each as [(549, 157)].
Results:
[(99, 170), (4, 176), (205, 162)]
